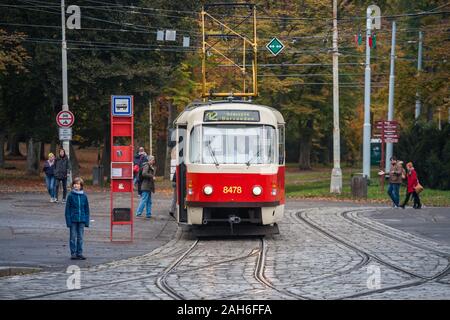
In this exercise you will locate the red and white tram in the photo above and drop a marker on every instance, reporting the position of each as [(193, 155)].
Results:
[(230, 165)]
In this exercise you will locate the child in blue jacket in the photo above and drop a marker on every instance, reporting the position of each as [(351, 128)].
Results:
[(77, 217)]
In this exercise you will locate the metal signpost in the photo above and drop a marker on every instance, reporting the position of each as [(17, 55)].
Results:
[(387, 131), (73, 22), (373, 22), (389, 146), (122, 129)]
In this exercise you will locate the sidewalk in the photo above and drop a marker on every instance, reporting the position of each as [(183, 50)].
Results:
[(33, 232)]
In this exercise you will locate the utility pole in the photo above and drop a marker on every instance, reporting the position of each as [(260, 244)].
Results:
[(336, 173), (65, 106), (389, 145), (150, 127), (439, 119), (419, 69), (366, 141)]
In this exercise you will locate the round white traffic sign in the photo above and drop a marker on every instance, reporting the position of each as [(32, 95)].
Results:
[(65, 119)]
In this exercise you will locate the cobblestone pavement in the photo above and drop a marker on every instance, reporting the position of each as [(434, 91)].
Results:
[(320, 253), (33, 232)]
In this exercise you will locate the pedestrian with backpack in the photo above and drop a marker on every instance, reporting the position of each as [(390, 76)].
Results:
[(147, 173), (139, 159)]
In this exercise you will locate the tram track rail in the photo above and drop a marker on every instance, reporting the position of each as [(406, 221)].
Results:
[(439, 253), (185, 247), (364, 260), (302, 216), (346, 215), (258, 273), (156, 252)]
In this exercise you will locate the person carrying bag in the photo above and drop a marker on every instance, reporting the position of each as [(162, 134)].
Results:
[(414, 187)]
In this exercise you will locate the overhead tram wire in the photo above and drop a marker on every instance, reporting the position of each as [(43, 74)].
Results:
[(142, 26), (136, 26), (84, 28), (407, 15)]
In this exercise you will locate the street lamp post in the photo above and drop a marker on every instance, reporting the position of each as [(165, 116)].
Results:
[(366, 137), (65, 106), (419, 69), (336, 174)]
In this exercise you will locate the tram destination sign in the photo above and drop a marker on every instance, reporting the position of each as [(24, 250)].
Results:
[(231, 115)]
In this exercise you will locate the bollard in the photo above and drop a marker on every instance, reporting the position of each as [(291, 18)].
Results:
[(97, 175), (359, 186)]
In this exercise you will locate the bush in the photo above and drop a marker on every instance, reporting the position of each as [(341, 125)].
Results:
[(429, 150)]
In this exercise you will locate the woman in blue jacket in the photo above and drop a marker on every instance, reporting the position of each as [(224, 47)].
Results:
[(77, 217)]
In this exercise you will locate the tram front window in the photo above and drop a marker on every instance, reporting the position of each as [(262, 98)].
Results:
[(233, 144)]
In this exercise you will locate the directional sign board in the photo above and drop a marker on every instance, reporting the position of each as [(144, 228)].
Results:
[(65, 134), (387, 131), (275, 46), (65, 119), (122, 106)]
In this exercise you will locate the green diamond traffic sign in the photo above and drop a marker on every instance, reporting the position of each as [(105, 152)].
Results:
[(275, 46)]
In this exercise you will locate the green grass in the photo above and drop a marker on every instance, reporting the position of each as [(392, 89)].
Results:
[(316, 184)]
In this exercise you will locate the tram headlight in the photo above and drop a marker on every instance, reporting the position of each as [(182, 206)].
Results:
[(257, 190), (208, 190)]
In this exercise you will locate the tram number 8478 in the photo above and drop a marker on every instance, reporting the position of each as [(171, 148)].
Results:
[(232, 189)]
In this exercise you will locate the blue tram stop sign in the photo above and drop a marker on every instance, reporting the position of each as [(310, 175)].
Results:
[(275, 46)]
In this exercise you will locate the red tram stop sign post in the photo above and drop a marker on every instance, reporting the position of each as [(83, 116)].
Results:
[(65, 119), (122, 149)]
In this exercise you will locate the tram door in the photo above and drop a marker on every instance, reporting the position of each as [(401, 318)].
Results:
[(181, 178)]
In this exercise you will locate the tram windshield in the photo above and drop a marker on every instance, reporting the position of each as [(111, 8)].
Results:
[(233, 144)]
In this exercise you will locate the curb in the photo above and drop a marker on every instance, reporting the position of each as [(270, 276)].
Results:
[(13, 271)]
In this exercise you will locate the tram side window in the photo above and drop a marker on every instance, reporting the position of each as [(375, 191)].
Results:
[(268, 135), (281, 151), (194, 145)]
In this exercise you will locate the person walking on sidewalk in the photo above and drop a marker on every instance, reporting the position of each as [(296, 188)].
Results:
[(62, 168), (49, 170), (77, 218), (147, 188), (411, 175), (395, 180)]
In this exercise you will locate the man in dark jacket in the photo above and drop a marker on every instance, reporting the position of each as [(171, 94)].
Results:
[(395, 180), (62, 168), (147, 187), (139, 159)]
